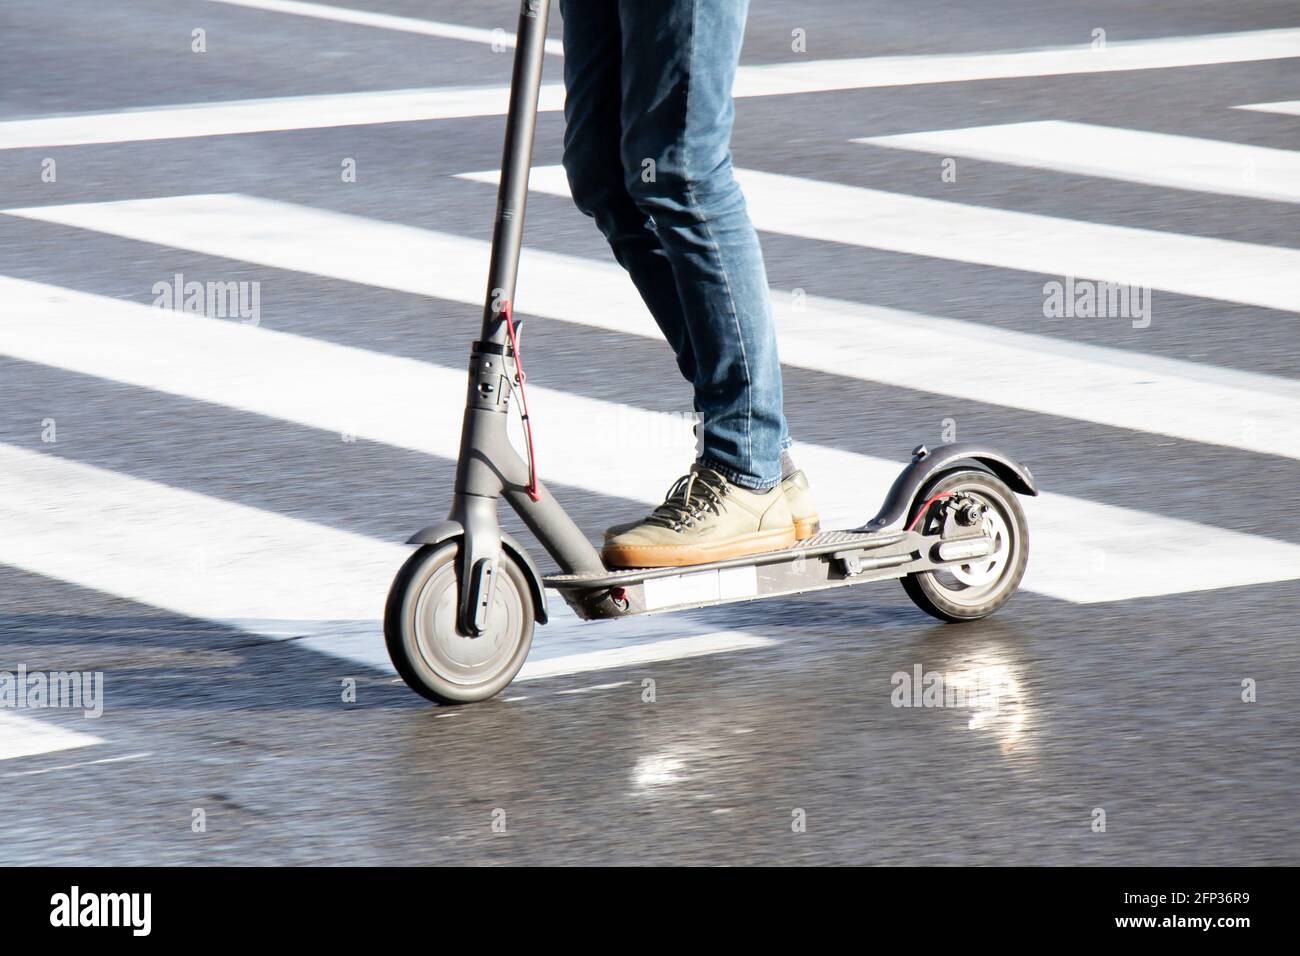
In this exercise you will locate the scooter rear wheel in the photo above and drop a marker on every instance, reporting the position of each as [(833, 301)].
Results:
[(426, 647), (968, 592)]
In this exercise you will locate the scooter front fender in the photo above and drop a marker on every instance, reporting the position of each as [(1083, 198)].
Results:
[(448, 530), (928, 462)]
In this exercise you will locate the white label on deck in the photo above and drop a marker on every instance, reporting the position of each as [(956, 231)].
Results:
[(701, 587)]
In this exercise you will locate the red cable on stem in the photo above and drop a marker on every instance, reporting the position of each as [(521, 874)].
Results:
[(523, 400)]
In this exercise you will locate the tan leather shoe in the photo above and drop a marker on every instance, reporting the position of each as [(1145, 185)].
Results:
[(797, 496), (704, 518)]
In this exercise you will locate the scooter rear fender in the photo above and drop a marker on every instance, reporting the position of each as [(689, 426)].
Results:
[(928, 462)]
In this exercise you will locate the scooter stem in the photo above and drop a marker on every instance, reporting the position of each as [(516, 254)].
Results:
[(517, 157), (488, 467)]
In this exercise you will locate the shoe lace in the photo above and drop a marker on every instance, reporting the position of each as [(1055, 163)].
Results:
[(690, 498)]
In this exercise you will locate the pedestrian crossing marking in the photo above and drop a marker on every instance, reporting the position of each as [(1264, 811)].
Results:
[(332, 110), (1224, 269), (275, 114), (817, 76), (22, 736), (257, 571), (1139, 156), (1085, 551), (497, 39), (1285, 107), (1036, 373)]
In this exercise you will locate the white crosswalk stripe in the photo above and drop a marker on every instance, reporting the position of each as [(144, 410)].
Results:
[(874, 72), (1085, 551), (1285, 107), (322, 111), (23, 736), (1267, 276), (315, 111), (498, 39), (1036, 373), (261, 572), (1139, 156)]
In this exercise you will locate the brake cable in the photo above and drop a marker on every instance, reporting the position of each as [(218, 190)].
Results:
[(926, 507), (523, 400)]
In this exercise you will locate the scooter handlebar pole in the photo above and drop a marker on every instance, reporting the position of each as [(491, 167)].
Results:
[(517, 156)]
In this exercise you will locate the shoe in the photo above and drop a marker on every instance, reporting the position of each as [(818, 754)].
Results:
[(704, 518), (797, 496)]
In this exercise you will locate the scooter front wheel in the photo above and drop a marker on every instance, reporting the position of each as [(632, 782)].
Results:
[(425, 645), (968, 592)]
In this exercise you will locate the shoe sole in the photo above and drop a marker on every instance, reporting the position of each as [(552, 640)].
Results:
[(683, 555), (803, 528), (806, 527)]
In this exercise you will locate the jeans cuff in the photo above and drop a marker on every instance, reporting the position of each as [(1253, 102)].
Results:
[(736, 478)]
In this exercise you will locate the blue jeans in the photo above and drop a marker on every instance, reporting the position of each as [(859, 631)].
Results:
[(647, 149)]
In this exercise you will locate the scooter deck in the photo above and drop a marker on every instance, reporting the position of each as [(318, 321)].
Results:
[(822, 542), (827, 559)]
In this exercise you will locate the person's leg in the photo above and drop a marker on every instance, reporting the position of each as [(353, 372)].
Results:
[(592, 109), (679, 58)]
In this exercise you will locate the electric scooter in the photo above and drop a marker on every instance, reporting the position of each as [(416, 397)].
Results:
[(460, 614)]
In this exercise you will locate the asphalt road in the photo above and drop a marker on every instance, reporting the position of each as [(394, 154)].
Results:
[(1131, 706)]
